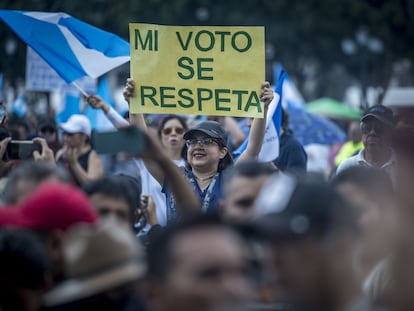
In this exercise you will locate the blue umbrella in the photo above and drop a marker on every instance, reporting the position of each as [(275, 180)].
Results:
[(314, 129)]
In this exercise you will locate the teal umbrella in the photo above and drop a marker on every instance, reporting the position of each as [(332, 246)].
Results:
[(331, 108)]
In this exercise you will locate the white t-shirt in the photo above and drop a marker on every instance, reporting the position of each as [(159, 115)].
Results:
[(359, 160), (150, 185)]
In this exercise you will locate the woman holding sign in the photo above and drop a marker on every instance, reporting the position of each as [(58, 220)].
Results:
[(206, 153)]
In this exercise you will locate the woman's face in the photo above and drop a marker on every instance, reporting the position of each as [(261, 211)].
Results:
[(204, 152), (172, 135), (76, 140)]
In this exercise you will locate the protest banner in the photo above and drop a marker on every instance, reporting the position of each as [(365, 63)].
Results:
[(197, 69)]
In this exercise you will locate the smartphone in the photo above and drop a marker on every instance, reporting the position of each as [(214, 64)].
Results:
[(22, 149), (130, 140)]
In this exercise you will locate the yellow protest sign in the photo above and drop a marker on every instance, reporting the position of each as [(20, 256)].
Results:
[(197, 69)]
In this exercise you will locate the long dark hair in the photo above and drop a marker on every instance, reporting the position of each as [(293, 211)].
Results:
[(227, 160)]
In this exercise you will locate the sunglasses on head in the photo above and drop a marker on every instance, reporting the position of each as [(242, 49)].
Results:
[(168, 130)]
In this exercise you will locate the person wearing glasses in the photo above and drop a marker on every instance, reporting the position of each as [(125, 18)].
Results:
[(170, 132), (377, 125), (207, 155)]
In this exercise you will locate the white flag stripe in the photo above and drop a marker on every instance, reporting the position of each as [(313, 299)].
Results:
[(93, 62), (270, 146)]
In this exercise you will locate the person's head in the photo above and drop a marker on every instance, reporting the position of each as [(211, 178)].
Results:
[(242, 184), (49, 212), (206, 147), (377, 124), (26, 177), (19, 128), (47, 128), (76, 131), (116, 196), (104, 266), (371, 192), (311, 231), (354, 132), (171, 131), (23, 270), (198, 264)]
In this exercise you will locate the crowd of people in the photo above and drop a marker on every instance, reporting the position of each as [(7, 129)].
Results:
[(182, 226)]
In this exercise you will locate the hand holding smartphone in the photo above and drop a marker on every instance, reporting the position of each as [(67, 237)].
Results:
[(22, 149)]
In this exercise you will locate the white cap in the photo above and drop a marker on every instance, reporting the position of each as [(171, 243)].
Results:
[(77, 123)]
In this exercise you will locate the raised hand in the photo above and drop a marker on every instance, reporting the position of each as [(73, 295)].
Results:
[(46, 154)]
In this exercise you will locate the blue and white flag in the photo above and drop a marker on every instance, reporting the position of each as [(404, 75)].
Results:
[(307, 127), (70, 104), (291, 96), (270, 146), (73, 48), (97, 117), (41, 77), (20, 106)]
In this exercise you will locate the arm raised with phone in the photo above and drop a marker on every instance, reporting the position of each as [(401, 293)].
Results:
[(146, 146), (154, 156)]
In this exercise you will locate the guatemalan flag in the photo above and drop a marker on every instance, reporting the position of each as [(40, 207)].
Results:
[(270, 146), (97, 117), (73, 48)]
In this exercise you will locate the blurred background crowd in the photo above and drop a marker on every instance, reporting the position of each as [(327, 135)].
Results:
[(176, 212)]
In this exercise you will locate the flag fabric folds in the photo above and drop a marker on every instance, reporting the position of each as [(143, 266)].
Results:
[(72, 47), (97, 117), (69, 105), (270, 146)]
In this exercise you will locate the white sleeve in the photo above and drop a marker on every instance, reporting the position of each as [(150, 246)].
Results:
[(116, 119)]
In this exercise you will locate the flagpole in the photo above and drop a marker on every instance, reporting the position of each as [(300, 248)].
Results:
[(83, 92)]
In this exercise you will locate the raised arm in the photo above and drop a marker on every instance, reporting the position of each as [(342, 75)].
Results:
[(257, 130), (136, 119), (180, 187), (113, 116)]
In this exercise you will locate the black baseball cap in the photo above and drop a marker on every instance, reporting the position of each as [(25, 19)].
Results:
[(210, 128), (381, 113), (297, 208)]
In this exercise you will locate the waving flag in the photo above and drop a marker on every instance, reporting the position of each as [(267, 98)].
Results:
[(70, 104), (307, 127), (97, 117), (73, 48), (270, 146), (20, 106)]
